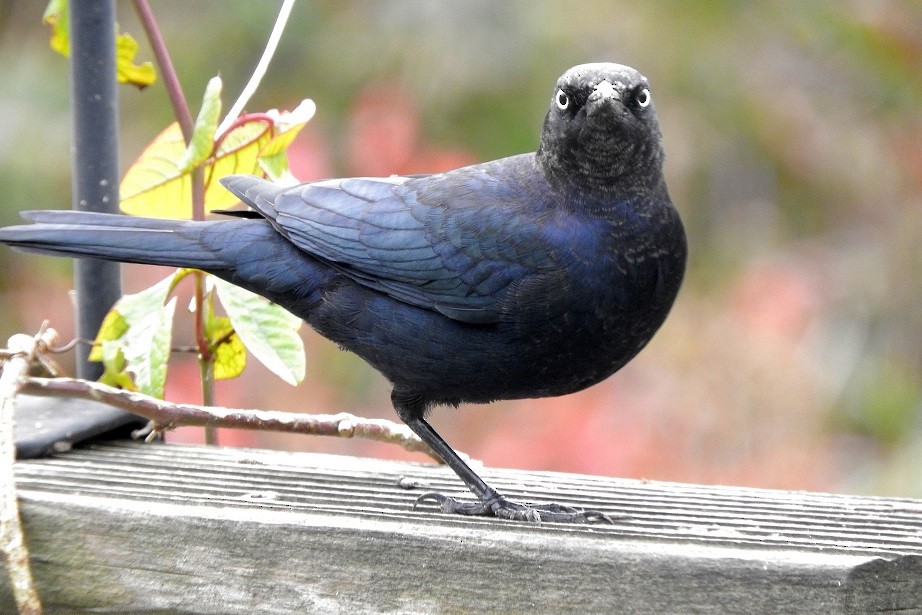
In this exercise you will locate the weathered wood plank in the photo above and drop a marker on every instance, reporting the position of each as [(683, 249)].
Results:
[(130, 528)]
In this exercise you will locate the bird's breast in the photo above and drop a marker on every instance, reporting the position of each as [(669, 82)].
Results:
[(612, 287)]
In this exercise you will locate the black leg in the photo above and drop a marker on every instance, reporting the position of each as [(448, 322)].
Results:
[(491, 503)]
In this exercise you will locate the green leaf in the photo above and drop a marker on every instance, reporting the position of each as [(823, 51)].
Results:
[(56, 16), (202, 142), (276, 168), (139, 305), (267, 330), (288, 125), (230, 355), (126, 48), (114, 373), (113, 327), (126, 71), (273, 159), (147, 349), (158, 185), (228, 352), (134, 340)]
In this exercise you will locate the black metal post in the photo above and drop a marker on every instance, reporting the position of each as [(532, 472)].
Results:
[(94, 162)]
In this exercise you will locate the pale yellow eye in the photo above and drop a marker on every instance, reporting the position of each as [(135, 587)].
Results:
[(562, 100), (644, 98)]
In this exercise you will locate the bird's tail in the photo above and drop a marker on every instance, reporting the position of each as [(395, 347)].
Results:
[(130, 239)]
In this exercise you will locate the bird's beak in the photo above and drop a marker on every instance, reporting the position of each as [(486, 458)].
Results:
[(605, 96)]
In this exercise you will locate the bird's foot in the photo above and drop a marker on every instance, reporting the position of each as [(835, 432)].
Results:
[(498, 506)]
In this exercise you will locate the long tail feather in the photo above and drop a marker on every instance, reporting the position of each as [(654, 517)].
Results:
[(115, 237)]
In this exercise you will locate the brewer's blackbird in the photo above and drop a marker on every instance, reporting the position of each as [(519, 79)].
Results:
[(531, 276)]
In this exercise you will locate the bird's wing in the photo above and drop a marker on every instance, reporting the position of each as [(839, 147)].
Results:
[(447, 242)]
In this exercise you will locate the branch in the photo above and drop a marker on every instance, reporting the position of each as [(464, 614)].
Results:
[(12, 544), (187, 126), (170, 79), (167, 415)]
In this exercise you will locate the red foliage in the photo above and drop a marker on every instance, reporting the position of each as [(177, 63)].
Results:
[(385, 136)]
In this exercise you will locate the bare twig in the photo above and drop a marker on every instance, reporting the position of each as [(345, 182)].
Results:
[(167, 415), (23, 349)]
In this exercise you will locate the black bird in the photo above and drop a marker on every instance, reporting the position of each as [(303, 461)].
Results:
[(535, 275)]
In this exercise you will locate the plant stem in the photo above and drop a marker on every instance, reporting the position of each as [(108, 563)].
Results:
[(261, 67), (186, 125), (170, 79), (207, 371)]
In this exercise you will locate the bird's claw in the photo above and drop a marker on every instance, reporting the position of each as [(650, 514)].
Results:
[(498, 506)]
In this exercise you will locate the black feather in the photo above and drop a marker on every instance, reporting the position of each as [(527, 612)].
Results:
[(535, 275)]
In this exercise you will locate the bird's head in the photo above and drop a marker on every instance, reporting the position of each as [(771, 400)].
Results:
[(600, 134)]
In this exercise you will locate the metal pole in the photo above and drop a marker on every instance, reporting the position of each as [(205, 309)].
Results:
[(94, 161)]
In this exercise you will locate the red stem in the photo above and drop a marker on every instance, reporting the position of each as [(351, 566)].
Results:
[(187, 126), (170, 79), (177, 98)]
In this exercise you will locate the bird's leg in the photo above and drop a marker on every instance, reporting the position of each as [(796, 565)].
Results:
[(491, 503)]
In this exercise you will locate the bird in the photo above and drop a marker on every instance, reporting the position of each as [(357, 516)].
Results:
[(534, 275)]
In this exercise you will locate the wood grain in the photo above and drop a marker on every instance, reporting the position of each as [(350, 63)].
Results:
[(132, 528)]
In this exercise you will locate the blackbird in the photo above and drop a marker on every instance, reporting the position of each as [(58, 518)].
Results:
[(530, 276)]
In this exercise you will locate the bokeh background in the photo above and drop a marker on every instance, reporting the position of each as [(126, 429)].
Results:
[(793, 131)]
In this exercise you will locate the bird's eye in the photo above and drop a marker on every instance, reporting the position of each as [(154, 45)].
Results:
[(643, 98), (562, 100)]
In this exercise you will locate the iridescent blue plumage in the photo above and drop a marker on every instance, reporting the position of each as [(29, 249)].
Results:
[(529, 276)]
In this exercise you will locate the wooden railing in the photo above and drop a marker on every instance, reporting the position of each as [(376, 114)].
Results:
[(135, 528)]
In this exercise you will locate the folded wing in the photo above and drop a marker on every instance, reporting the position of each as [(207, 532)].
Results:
[(448, 242)]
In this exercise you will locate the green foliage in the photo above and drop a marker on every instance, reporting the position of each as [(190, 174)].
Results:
[(202, 142), (126, 48), (159, 183), (134, 340), (56, 16), (267, 330), (888, 410), (228, 352), (273, 158)]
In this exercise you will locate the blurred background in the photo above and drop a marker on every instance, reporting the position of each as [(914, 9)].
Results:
[(793, 132)]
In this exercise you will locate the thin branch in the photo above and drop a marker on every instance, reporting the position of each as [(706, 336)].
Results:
[(205, 355), (177, 98), (184, 117), (170, 79), (261, 67), (12, 543), (167, 415)]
